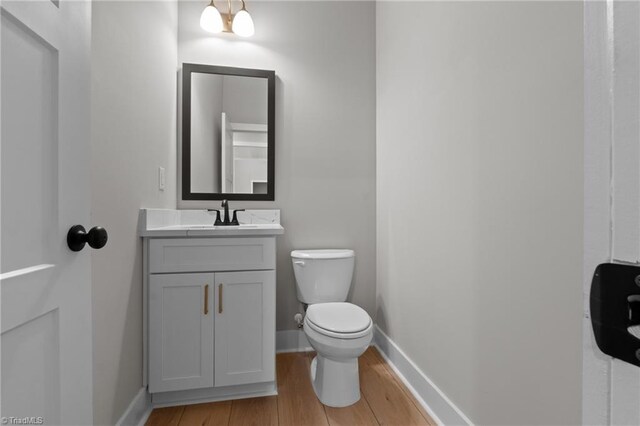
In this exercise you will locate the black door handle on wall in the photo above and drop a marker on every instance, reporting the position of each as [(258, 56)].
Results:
[(615, 306), (77, 237)]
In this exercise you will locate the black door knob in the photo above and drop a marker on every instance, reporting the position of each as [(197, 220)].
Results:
[(77, 237)]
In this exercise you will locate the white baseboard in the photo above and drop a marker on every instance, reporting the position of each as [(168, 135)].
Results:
[(138, 411), (292, 341), (433, 400)]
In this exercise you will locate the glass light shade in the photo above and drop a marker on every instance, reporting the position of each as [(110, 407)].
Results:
[(210, 20), (243, 24)]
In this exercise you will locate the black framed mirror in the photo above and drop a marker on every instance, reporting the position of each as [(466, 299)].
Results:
[(228, 133)]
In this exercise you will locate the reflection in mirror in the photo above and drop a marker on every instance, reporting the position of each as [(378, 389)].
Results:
[(227, 142), (228, 134)]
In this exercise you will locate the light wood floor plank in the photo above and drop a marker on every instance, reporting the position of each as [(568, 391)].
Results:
[(169, 416), (359, 414), (254, 412), (209, 414), (386, 398), (376, 353), (297, 402)]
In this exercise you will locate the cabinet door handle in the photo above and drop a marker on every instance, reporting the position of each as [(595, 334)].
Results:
[(220, 299), (206, 299)]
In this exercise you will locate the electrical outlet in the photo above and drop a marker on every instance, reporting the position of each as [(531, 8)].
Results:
[(161, 180)]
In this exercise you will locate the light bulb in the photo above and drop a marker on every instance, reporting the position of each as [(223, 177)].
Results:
[(210, 20), (243, 24)]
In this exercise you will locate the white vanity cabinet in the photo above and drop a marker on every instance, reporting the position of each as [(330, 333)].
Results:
[(189, 312), (209, 316), (245, 327), (180, 332)]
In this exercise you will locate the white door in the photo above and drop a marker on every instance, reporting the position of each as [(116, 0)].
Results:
[(245, 327), (611, 388), (45, 289), (180, 332)]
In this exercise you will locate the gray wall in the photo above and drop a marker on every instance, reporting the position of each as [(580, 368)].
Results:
[(245, 99), (480, 154), (324, 57), (133, 132)]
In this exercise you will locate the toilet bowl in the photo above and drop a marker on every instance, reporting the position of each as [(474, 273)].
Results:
[(339, 331)]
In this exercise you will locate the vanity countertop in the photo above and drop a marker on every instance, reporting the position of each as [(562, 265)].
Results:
[(199, 223)]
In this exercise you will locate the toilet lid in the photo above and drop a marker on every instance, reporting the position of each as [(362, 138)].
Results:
[(322, 254), (338, 317)]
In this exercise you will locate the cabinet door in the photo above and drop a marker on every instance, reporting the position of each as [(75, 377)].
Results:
[(180, 332), (245, 327)]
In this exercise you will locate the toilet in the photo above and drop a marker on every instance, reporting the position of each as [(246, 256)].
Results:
[(339, 331)]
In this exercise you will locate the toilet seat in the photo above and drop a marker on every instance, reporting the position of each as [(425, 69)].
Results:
[(339, 319)]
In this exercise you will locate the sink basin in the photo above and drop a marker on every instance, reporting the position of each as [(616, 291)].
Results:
[(243, 226)]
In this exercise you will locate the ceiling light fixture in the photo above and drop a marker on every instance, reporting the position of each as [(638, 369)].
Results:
[(239, 23)]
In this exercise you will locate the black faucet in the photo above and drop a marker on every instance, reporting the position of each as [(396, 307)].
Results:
[(218, 222), (227, 222), (225, 206)]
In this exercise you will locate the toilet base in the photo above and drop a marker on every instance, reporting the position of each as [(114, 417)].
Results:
[(336, 383)]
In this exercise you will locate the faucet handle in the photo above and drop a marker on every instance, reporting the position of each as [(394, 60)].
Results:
[(225, 203), (218, 222), (234, 221)]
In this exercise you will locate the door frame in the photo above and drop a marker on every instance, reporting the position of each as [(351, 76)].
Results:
[(611, 388)]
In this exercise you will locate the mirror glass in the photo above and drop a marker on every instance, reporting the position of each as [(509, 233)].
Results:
[(227, 133)]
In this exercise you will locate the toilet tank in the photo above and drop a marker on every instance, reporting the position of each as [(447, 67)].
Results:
[(323, 275)]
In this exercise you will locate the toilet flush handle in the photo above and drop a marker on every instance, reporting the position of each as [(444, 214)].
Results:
[(299, 262)]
